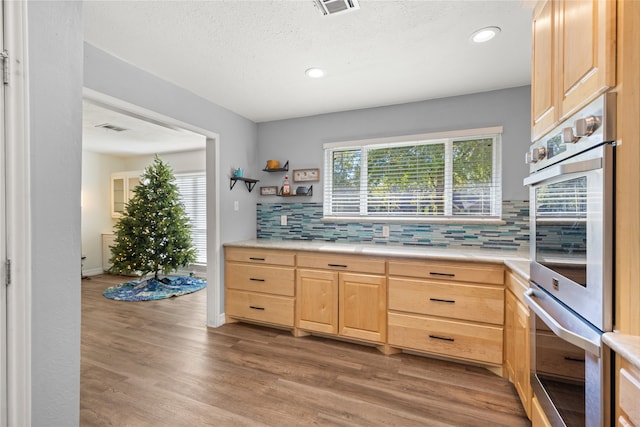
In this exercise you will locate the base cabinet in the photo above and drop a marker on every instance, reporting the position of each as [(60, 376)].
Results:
[(538, 417), (628, 394), (447, 308), (260, 286), (451, 309), (522, 356), (517, 354), (348, 304)]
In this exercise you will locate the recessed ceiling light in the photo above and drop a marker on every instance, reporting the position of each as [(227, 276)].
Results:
[(484, 34), (315, 72)]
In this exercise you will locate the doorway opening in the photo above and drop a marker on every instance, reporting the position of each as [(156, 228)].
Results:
[(119, 141)]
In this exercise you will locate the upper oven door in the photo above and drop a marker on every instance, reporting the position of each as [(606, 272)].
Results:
[(571, 219)]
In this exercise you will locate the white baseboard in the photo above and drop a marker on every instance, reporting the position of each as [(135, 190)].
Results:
[(221, 320), (92, 272)]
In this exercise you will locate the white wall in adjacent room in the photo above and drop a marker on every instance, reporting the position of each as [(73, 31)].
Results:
[(96, 198)]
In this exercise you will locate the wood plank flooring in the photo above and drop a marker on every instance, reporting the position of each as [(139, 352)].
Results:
[(156, 363)]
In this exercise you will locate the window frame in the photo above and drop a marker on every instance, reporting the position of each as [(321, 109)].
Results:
[(446, 138)]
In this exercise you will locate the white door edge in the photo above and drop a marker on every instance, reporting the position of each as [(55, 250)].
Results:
[(18, 236)]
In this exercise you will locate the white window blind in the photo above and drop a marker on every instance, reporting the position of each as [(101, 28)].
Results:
[(193, 193), (443, 177)]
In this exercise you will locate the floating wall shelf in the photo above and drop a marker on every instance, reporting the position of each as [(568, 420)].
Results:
[(284, 168), (307, 194), (250, 183)]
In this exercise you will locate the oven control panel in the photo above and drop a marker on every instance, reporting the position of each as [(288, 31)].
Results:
[(592, 126)]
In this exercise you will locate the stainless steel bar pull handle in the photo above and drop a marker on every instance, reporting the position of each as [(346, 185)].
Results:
[(435, 273), (436, 337), (567, 335), (450, 301)]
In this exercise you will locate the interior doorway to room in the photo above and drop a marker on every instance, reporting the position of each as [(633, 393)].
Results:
[(117, 146)]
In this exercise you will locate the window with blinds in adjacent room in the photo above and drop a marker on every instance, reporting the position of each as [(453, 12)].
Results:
[(193, 193)]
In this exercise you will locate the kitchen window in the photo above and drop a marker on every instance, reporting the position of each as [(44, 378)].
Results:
[(454, 175)]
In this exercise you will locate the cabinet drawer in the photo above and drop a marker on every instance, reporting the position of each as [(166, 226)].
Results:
[(260, 278), (517, 285), (437, 298), (260, 256), (447, 337), (458, 271), (630, 395), (264, 308), (340, 262)]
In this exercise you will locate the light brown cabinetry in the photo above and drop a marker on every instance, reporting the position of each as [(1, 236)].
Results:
[(628, 394), (544, 114), (260, 286), (574, 58), (337, 295), (447, 308), (517, 357), (538, 417)]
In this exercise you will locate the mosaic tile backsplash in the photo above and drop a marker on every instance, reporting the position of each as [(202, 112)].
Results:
[(304, 223)]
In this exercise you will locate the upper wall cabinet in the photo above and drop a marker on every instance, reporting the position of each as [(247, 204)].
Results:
[(574, 48), (543, 97), (122, 185)]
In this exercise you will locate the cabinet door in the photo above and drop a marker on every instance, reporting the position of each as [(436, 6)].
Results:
[(132, 183), (363, 308), (118, 196), (587, 47), (544, 114), (317, 301), (538, 417), (522, 356), (509, 334)]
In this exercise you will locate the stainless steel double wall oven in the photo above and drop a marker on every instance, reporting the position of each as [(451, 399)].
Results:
[(571, 295)]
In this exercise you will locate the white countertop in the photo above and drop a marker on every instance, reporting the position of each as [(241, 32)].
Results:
[(517, 261), (627, 346)]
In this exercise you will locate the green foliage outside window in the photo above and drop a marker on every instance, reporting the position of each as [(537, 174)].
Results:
[(432, 178)]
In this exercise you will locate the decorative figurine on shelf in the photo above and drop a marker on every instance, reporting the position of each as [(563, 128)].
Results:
[(286, 187)]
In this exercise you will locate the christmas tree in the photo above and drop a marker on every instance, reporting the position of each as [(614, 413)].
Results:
[(154, 232)]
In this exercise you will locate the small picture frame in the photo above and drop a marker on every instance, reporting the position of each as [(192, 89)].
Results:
[(306, 175), (269, 191)]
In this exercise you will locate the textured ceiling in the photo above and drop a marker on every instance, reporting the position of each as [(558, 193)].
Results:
[(138, 135), (250, 56)]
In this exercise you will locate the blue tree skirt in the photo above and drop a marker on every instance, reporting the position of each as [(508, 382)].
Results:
[(152, 289)]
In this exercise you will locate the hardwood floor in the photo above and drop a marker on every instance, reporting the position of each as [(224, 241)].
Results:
[(156, 363)]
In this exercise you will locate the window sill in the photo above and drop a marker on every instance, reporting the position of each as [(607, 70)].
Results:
[(443, 220)]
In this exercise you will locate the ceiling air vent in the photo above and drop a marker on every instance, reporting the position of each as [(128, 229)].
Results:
[(109, 126), (331, 7)]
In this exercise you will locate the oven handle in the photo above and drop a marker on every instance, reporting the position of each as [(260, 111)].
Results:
[(564, 169), (567, 335)]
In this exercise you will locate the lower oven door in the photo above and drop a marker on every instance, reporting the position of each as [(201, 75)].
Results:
[(570, 369)]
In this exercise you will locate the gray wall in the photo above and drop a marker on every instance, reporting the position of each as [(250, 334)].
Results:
[(55, 124), (300, 140), (109, 75)]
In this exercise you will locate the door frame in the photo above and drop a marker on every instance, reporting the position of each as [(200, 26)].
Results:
[(18, 237), (214, 315)]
